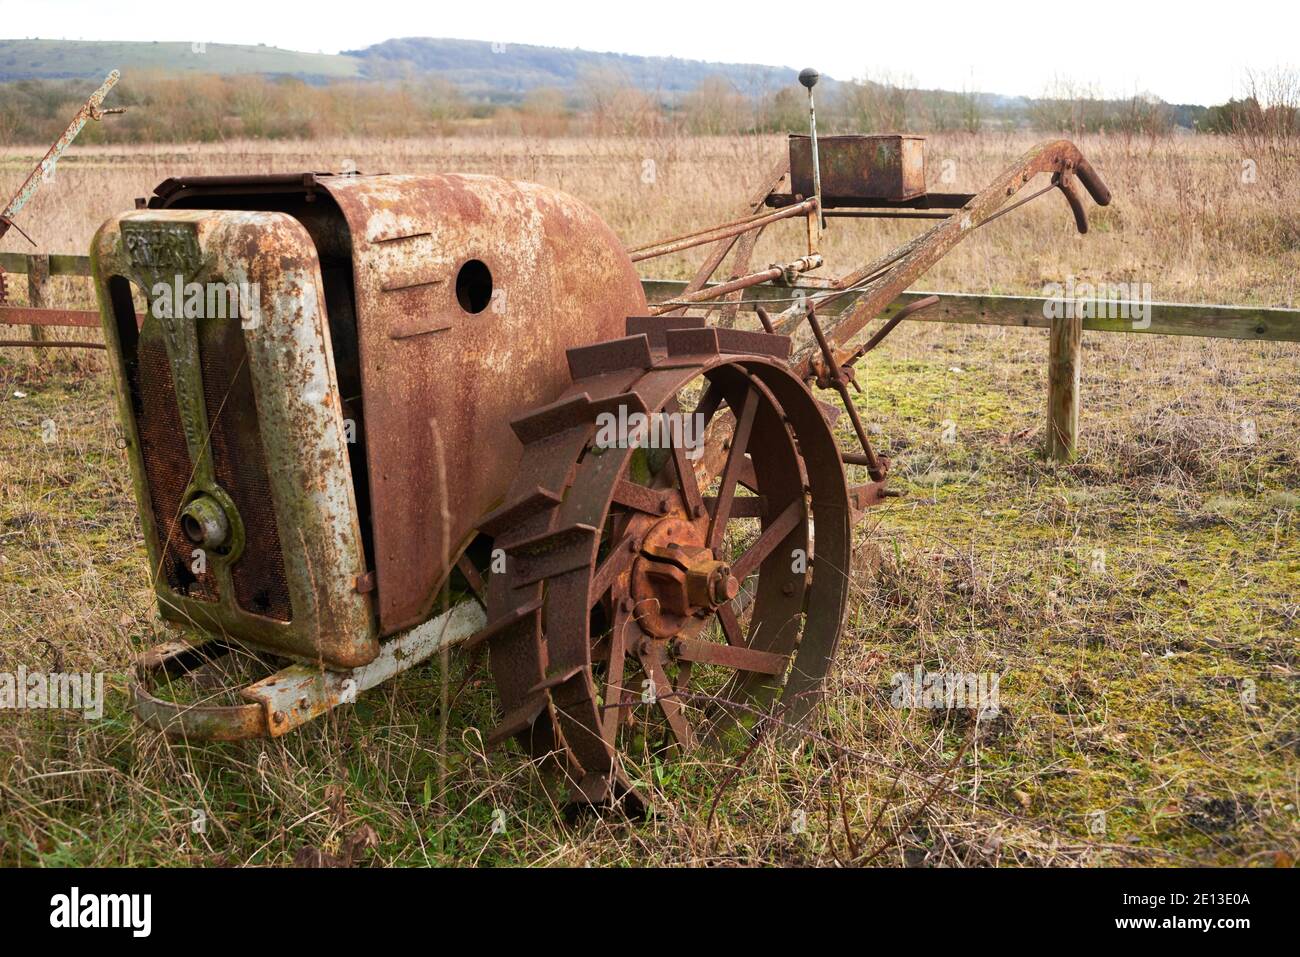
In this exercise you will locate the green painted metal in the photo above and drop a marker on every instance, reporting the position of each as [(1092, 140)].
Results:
[(61, 264)]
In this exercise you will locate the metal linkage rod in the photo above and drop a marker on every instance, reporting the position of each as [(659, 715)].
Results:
[(839, 382), (715, 233), (771, 274), (90, 110)]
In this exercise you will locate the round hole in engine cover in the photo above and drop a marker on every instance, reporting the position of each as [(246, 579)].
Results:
[(474, 286)]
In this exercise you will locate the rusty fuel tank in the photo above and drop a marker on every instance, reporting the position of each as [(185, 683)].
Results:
[(858, 169)]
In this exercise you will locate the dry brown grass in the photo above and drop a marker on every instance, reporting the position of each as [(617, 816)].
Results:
[(1182, 218), (1123, 681)]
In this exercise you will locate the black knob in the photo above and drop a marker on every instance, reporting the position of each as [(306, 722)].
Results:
[(809, 77)]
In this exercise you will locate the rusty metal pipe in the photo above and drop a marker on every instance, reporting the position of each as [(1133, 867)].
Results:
[(910, 309), (714, 292), (90, 110), (836, 375), (885, 214), (719, 232), (743, 282), (33, 316), (690, 234)]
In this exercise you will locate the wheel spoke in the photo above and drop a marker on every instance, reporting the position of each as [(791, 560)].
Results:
[(729, 656), (690, 489), (669, 706), (683, 677), (709, 402), (731, 473), (771, 537), (731, 629), (618, 560), (642, 498), (747, 476), (614, 689), (742, 506)]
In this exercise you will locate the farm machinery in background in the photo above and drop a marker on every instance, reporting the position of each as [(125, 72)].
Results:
[(398, 449)]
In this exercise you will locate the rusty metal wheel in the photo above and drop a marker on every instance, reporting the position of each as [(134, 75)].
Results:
[(658, 598)]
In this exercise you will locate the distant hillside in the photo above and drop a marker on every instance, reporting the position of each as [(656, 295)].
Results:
[(75, 59), (489, 75), (498, 72), (501, 71)]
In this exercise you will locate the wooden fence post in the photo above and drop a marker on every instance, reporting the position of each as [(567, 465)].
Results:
[(1065, 348), (38, 283)]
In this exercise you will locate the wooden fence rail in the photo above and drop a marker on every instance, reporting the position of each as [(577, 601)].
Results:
[(1065, 334)]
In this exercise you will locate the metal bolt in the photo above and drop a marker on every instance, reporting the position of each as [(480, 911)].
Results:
[(725, 587)]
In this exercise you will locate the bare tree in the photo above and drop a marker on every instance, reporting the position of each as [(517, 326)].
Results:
[(881, 105)]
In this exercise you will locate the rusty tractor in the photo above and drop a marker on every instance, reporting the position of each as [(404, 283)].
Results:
[(431, 411)]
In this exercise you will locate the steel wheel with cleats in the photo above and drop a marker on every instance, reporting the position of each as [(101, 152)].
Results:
[(662, 599)]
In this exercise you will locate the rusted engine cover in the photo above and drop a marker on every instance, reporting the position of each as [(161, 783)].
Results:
[(858, 169), (440, 382)]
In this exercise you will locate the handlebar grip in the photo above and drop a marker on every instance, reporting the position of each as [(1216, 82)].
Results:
[(1067, 185), (1098, 190)]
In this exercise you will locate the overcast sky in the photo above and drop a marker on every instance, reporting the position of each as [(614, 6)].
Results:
[(1189, 52)]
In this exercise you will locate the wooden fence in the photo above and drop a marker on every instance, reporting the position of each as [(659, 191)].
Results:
[(36, 316), (1065, 334)]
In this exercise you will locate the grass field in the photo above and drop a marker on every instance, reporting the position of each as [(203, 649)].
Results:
[(1142, 604)]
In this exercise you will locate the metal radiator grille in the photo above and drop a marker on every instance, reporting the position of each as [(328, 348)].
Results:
[(166, 463), (239, 464)]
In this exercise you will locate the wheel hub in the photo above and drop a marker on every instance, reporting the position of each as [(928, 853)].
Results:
[(677, 577)]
